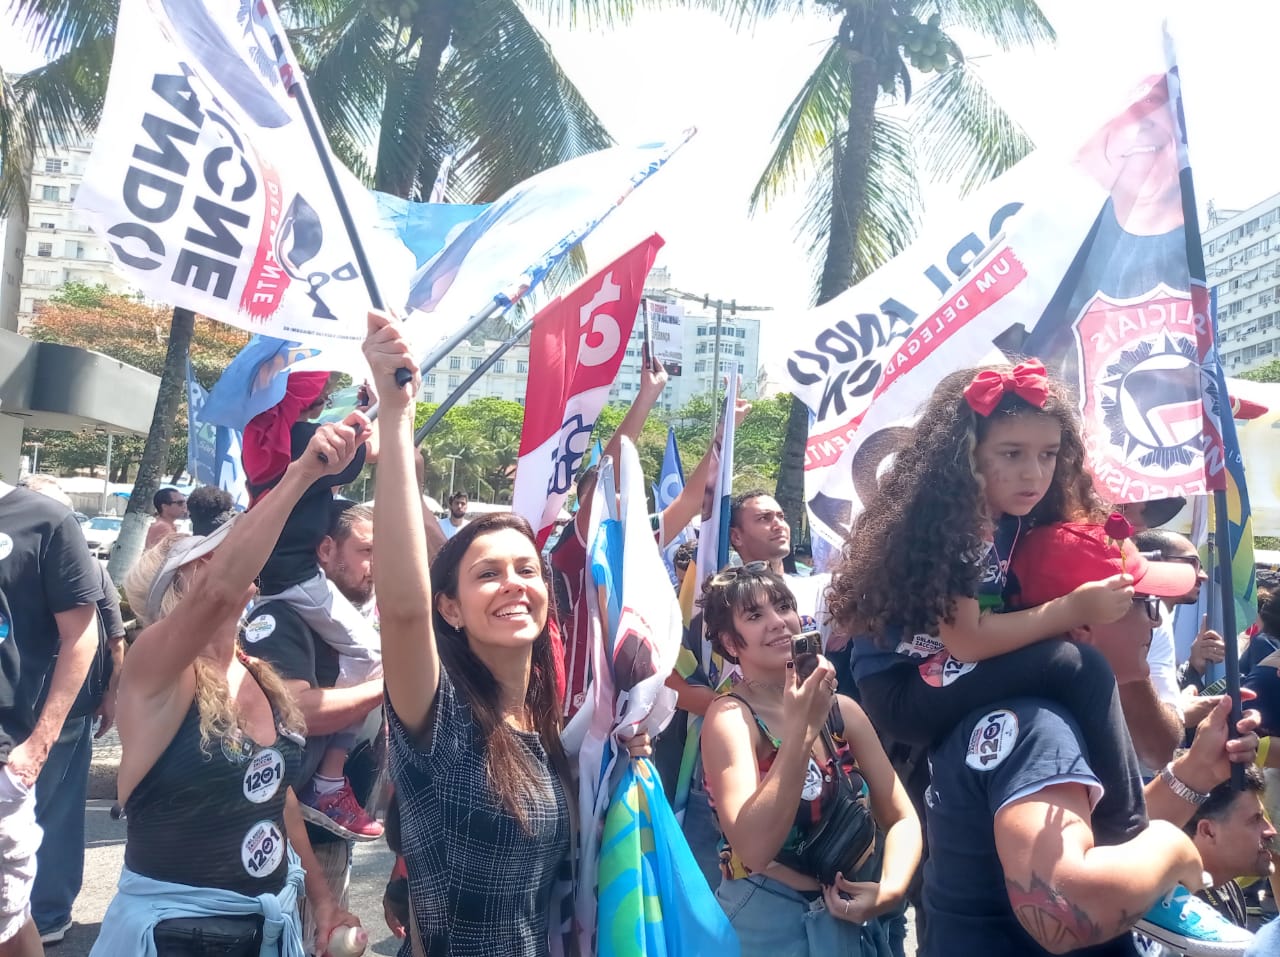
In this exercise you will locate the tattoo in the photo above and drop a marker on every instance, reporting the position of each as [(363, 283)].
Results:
[(1055, 922)]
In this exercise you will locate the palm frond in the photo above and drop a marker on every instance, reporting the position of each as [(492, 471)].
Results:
[(963, 134), (58, 26), (892, 209), (1007, 23), (48, 106), (804, 136), (344, 52), (516, 110), (583, 14)]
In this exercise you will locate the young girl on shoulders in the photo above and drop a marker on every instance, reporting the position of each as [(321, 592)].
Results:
[(996, 451)]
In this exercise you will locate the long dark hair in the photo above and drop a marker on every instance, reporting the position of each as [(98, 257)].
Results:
[(510, 768), (910, 551)]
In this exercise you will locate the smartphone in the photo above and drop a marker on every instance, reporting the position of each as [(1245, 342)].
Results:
[(649, 358), (805, 648)]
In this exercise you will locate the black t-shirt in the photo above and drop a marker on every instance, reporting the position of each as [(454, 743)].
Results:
[(293, 560), (45, 568), (278, 635), (995, 756)]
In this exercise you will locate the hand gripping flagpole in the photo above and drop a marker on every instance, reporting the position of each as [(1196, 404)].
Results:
[(295, 85)]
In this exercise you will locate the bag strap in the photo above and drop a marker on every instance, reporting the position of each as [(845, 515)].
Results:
[(763, 728)]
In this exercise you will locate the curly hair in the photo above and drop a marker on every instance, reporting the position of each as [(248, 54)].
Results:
[(737, 589), (910, 551)]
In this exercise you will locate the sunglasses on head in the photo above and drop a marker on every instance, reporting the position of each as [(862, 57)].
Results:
[(724, 576)]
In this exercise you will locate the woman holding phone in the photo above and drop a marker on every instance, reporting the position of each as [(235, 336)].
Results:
[(818, 834)]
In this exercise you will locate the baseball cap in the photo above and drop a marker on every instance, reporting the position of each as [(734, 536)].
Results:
[(183, 551), (1055, 560)]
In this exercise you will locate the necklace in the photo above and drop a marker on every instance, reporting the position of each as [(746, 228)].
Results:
[(777, 688)]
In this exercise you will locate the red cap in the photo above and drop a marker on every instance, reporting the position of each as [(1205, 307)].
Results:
[(1055, 560)]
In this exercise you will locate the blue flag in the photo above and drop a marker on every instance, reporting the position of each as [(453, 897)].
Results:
[(254, 382), (213, 452), (670, 485), (654, 901)]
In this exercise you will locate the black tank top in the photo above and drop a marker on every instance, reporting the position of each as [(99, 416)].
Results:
[(214, 817)]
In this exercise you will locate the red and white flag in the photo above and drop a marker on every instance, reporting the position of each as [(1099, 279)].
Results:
[(578, 343)]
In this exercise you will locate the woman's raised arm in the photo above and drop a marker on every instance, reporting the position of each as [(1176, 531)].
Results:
[(410, 663), (221, 589)]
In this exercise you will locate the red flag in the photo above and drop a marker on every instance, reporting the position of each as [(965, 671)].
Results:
[(578, 343)]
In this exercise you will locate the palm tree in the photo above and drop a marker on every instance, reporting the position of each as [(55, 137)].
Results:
[(467, 86), (466, 81), (860, 164)]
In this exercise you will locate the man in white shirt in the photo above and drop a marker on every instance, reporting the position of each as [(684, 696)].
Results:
[(758, 532), (457, 516)]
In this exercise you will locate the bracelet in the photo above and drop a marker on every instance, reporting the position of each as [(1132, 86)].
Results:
[(1178, 788)]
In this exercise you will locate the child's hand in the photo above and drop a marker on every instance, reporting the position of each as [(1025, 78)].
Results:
[(1102, 602)]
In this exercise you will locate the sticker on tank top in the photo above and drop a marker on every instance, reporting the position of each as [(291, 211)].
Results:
[(263, 776), (6, 546), (262, 849), (812, 781), (236, 747)]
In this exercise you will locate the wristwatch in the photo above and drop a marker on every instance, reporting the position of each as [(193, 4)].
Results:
[(1180, 789)]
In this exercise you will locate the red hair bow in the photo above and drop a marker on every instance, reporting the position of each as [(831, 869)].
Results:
[(1028, 381)]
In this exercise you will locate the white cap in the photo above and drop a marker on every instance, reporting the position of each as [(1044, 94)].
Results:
[(183, 551)]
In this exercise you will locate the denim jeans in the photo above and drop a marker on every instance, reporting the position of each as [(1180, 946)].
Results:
[(60, 801), (772, 920)]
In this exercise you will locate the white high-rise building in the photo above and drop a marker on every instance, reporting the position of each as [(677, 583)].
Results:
[(506, 379), (1242, 261), (739, 353), (59, 246)]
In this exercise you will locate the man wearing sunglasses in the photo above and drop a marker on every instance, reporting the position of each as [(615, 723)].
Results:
[(171, 505), (1208, 646), (1015, 865)]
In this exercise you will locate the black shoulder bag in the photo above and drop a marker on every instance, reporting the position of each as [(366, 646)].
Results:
[(846, 840)]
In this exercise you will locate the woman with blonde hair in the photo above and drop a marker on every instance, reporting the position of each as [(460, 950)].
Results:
[(212, 743)]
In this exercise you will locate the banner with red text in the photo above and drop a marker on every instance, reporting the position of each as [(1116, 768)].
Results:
[(209, 192), (577, 345), (1091, 263)]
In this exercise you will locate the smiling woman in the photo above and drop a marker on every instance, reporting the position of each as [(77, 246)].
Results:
[(481, 776)]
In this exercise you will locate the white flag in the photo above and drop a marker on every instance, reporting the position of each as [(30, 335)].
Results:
[(208, 189)]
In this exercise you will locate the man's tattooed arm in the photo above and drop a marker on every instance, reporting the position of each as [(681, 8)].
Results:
[(1047, 915)]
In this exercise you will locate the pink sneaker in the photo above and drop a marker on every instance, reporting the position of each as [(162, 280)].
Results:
[(338, 812)]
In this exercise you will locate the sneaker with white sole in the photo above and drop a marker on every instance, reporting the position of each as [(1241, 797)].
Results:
[(338, 812), (1189, 925), (55, 935)]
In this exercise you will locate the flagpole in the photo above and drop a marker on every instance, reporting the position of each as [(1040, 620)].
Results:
[(295, 85), (1226, 427), (1225, 546), (458, 393)]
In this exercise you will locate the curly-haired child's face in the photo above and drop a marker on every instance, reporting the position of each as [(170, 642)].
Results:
[(1016, 460)]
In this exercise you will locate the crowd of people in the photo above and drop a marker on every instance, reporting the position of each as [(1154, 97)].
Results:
[(978, 713)]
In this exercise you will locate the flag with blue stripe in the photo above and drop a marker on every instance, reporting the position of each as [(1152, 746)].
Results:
[(654, 901)]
